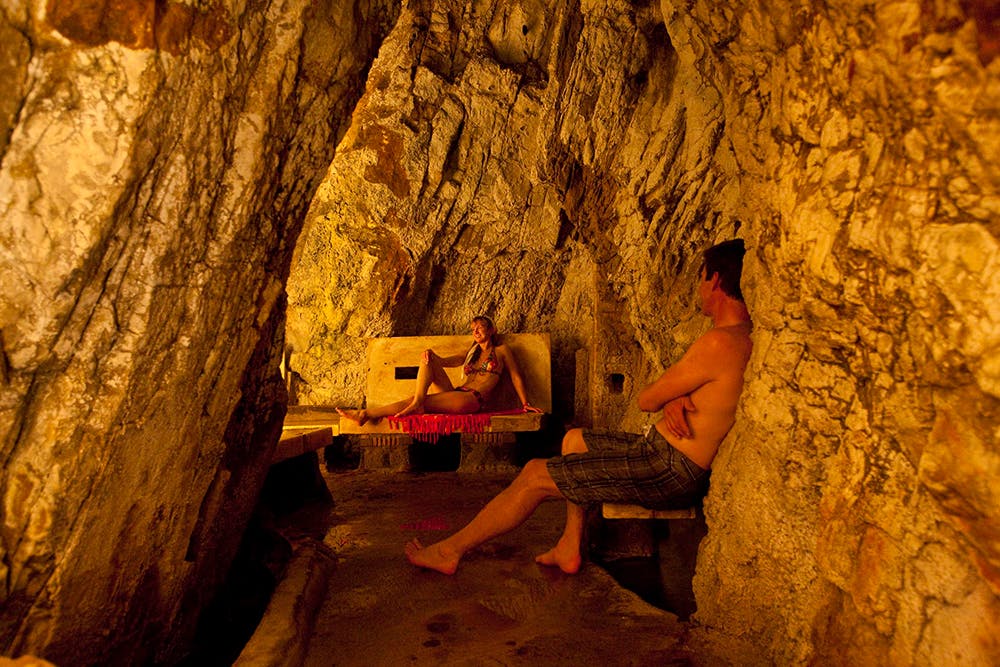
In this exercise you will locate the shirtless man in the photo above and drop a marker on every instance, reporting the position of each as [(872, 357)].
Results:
[(667, 467)]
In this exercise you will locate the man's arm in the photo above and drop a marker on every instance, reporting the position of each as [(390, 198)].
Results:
[(697, 367), (675, 416)]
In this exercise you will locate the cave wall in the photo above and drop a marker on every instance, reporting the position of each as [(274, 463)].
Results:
[(561, 166), (156, 161), (854, 517), (855, 513), (538, 162)]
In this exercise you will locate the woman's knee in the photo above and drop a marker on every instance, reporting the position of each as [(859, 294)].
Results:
[(573, 442)]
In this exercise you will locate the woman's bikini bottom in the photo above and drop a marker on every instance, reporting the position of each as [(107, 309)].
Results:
[(474, 392)]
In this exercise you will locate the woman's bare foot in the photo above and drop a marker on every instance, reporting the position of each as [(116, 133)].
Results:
[(434, 557), (358, 416), (566, 557), (414, 408)]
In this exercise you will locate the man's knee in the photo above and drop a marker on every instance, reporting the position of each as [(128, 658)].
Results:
[(573, 442), (535, 475), (534, 470)]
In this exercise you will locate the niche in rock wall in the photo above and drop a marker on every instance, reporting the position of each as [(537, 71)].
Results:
[(613, 359)]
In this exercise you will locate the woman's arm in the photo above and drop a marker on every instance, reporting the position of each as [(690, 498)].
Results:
[(450, 361), (510, 361)]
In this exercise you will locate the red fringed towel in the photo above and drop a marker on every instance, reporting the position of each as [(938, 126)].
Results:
[(430, 427)]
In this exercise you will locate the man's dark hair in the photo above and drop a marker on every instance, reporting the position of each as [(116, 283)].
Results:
[(726, 259)]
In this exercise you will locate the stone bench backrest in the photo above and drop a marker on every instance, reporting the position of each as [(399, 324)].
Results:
[(393, 364)]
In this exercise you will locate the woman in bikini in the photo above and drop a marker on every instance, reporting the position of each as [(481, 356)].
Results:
[(483, 365)]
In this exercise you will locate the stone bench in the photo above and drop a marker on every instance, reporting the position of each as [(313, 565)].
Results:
[(392, 365), (631, 534), (297, 441), (623, 511)]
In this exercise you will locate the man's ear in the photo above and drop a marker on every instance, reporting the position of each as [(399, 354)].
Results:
[(716, 280)]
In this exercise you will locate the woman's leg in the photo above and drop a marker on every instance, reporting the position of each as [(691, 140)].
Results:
[(431, 373), (363, 415), (566, 553)]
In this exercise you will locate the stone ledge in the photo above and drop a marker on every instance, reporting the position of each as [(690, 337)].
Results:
[(624, 511), (282, 636), (303, 417), (297, 441)]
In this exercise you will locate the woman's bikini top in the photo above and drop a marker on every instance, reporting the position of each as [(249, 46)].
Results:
[(489, 365)]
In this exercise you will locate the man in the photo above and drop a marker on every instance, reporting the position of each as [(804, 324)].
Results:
[(666, 467)]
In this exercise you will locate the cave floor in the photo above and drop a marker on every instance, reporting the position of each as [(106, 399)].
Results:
[(500, 608)]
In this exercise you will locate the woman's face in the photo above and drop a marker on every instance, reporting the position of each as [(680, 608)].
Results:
[(481, 331)]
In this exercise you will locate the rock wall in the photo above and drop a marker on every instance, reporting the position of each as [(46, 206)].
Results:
[(561, 165), (533, 161), (855, 514), (156, 161)]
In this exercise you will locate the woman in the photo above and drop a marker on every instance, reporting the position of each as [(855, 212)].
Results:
[(483, 365)]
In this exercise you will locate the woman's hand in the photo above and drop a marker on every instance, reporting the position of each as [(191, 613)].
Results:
[(530, 408), (428, 356)]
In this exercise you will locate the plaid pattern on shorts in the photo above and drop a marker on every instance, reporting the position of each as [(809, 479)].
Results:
[(627, 468)]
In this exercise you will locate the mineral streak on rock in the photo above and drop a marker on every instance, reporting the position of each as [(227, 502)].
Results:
[(169, 26)]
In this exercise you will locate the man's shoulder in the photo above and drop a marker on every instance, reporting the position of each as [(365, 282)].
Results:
[(729, 339), (733, 332)]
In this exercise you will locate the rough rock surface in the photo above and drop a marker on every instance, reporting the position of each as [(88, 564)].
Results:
[(560, 166), (156, 160), (855, 516)]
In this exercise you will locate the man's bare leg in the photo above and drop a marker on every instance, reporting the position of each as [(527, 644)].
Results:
[(566, 553), (508, 510)]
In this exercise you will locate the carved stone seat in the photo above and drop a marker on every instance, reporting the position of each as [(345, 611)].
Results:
[(631, 533), (391, 374), (623, 511)]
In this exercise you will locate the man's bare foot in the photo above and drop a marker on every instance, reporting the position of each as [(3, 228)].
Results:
[(434, 557), (414, 408), (358, 416), (567, 558)]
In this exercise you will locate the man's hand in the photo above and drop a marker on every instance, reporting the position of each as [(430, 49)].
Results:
[(674, 417)]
